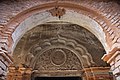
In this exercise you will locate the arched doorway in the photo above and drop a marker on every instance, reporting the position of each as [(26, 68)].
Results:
[(60, 49), (88, 17), (58, 78)]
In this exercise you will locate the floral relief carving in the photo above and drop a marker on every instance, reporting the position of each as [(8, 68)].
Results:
[(67, 63)]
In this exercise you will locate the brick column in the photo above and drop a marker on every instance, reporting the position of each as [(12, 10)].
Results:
[(98, 73), (114, 61), (4, 62), (5, 58), (115, 65), (19, 73)]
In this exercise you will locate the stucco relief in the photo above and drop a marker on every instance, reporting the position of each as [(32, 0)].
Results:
[(58, 46), (56, 62), (59, 53)]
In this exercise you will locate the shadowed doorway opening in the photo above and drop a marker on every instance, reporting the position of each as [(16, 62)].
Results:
[(58, 78)]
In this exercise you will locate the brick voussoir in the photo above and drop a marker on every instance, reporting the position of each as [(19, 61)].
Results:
[(6, 57), (4, 62)]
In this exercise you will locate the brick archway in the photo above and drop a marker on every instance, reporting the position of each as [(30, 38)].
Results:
[(105, 21)]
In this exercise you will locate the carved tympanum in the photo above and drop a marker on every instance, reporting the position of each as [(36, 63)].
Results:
[(58, 46), (57, 59)]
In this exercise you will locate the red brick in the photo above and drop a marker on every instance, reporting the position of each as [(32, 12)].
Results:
[(116, 71), (118, 40)]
